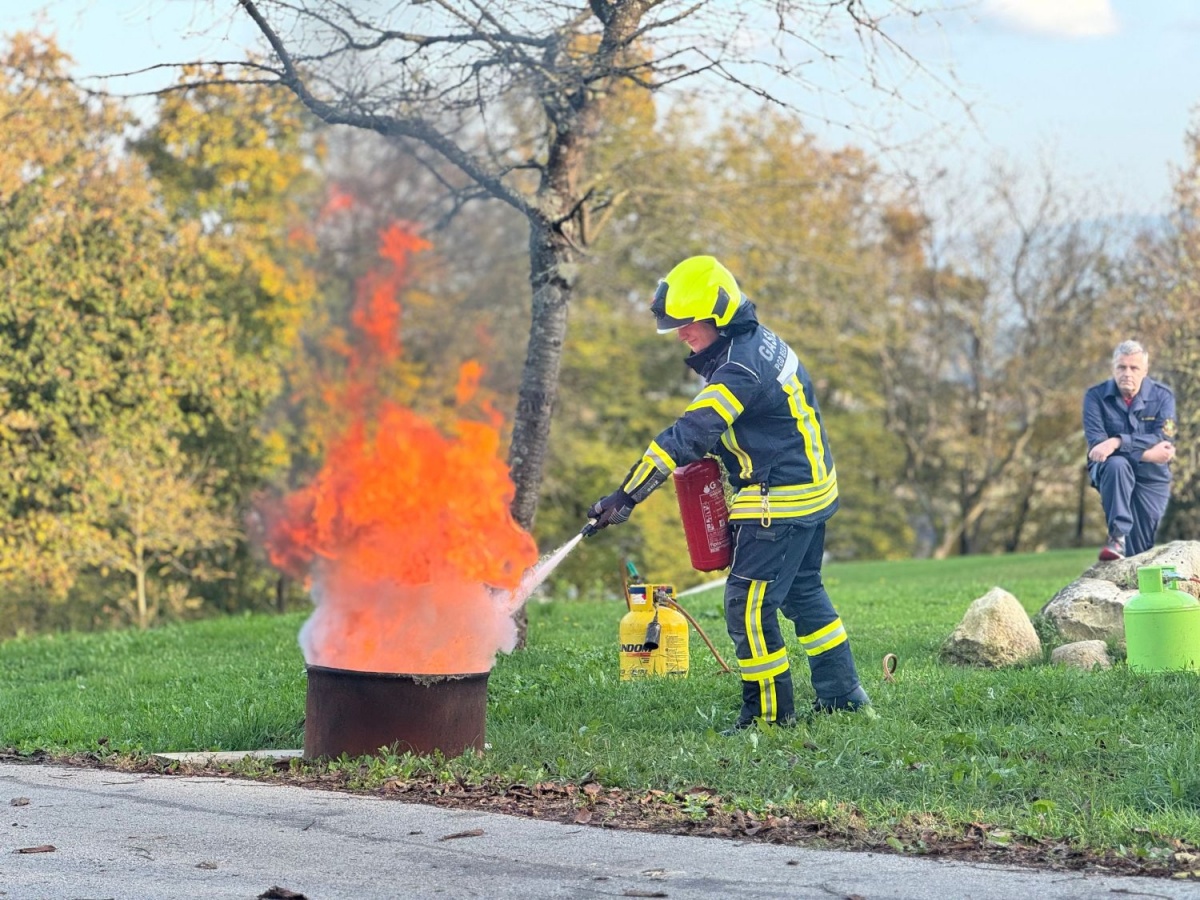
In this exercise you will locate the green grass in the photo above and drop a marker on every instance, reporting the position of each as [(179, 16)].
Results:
[(1108, 761), (232, 683)]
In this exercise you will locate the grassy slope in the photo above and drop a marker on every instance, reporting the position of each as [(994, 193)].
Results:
[(1107, 760)]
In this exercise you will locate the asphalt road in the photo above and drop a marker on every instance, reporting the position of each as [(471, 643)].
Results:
[(148, 837)]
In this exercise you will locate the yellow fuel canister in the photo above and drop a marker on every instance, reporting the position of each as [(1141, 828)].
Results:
[(666, 652)]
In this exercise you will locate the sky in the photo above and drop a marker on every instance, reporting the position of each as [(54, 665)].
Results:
[(1103, 89), (1106, 88)]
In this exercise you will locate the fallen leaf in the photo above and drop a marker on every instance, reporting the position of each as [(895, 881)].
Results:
[(583, 816), (206, 865), (19, 801), (44, 848), (633, 892), (277, 893), (474, 832), (591, 789)]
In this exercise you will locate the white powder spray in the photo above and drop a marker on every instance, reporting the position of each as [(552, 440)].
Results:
[(539, 573)]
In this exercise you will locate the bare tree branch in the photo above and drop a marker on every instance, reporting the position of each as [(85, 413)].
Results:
[(413, 127)]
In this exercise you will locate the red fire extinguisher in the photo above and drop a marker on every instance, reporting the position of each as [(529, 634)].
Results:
[(705, 515)]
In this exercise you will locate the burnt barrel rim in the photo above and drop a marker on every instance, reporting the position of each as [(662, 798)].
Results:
[(354, 712)]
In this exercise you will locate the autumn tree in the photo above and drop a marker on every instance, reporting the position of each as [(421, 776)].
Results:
[(136, 526), (119, 370), (983, 364), (1163, 287), (239, 171), (239, 168), (447, 79)]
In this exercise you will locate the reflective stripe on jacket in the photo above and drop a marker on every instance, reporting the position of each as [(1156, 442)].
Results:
[(758, 412)]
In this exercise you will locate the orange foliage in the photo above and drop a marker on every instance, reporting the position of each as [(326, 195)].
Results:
[(469, 374), (338, 201)]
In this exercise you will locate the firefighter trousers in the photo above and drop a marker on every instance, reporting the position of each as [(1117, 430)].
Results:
[(775, 569)]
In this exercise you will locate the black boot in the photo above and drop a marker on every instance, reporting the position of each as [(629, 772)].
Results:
[(751, 712), (855, 700), (741, 725)]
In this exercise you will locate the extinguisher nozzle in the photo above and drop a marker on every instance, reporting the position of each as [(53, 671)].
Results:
[(589, 529), (653, 633)]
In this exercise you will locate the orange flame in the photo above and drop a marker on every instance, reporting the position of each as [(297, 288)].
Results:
[(405, 535)]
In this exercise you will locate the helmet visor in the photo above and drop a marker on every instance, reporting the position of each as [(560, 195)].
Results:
[(666, 324)]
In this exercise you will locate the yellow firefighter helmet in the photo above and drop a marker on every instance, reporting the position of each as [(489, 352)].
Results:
[(699, 289)]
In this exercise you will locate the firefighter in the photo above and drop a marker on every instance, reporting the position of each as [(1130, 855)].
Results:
[(1129, 424), (758, 413)]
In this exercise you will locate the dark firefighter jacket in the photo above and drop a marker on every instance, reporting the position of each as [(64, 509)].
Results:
[(758, 413)]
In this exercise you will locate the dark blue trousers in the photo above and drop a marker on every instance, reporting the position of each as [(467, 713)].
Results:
[(1132, 507), (778, 569)]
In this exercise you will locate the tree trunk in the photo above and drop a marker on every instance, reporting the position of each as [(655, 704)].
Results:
[(548, 251), (139, 575), (964, 539), (1021, 516), (543, 359), (1081, 511), (971, 510)]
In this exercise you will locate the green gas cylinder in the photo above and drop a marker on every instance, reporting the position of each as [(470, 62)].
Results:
[(1162, 625)]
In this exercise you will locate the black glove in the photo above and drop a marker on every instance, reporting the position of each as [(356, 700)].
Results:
[(611, 510)]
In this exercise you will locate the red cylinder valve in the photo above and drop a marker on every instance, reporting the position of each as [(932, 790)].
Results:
[(701, 496)]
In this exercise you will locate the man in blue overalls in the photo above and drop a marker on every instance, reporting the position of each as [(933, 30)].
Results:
[(1129, 424)]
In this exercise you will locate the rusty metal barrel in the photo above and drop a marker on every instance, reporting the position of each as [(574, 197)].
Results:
[(358, 713)]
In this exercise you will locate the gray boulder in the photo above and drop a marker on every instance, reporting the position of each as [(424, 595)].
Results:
[(1089, 609), (1086, 655), (1184, 556), (1093, 606), (995, 632)]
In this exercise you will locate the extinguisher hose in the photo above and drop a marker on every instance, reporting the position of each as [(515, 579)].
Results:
[(700, 631)]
